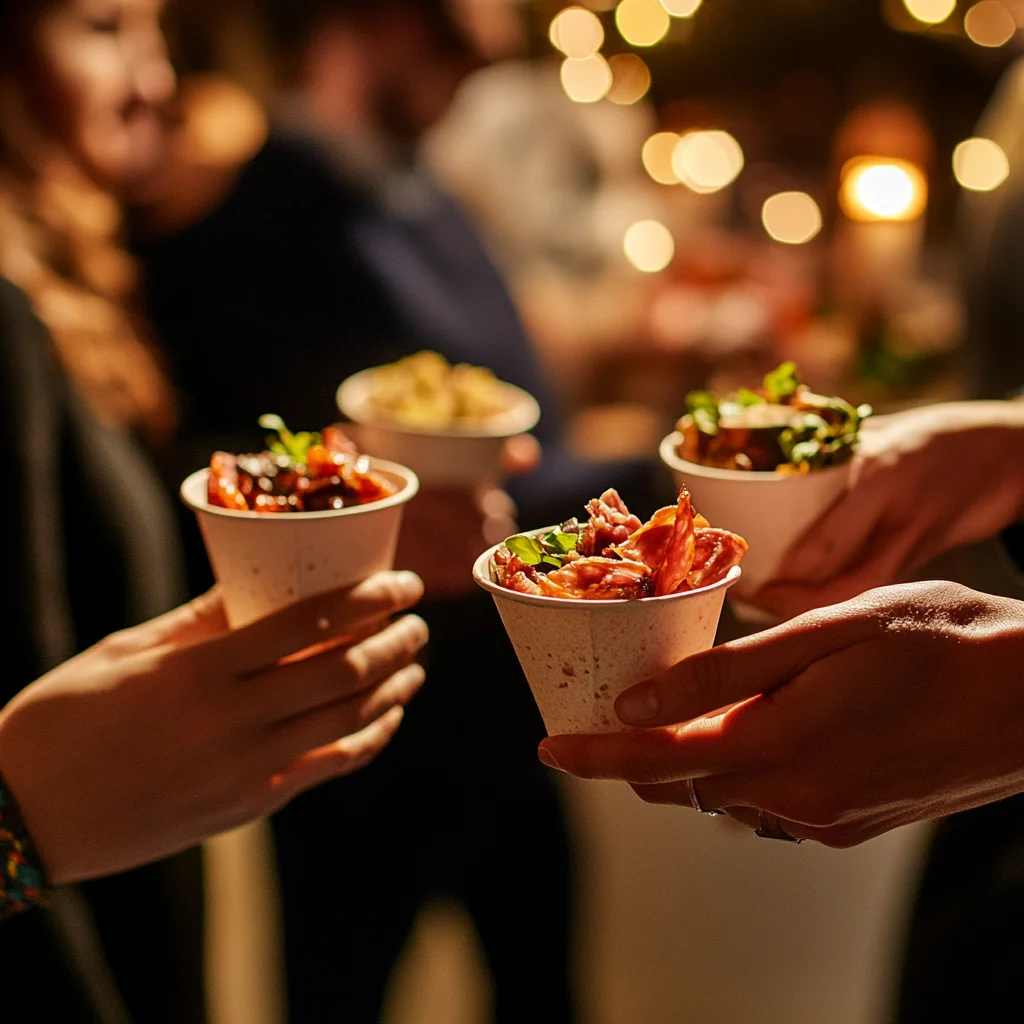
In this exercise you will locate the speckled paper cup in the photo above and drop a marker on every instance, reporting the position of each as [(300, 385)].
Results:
[(771, 511), (264, 562), (578, 656), (458, 457)]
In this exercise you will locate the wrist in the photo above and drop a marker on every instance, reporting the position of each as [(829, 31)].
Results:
[(22, 877)]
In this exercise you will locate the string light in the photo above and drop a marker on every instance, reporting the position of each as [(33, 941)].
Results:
[(877, 188), (980, 165), (657, 157), (791, 217), (990, 24), (631, 78), (930, 12), (707, 161), (587, 80), (649, 246), (577, 32), (642, 22)]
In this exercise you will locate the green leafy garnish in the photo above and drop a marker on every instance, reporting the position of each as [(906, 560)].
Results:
[(782, 382), (294, 447), (547, 551), (703, 407)]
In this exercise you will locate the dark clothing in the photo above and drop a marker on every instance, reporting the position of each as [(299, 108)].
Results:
[(91, 548), (300, 278)]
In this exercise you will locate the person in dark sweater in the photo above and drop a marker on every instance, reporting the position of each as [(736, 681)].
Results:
[(332, 251), (112, 739)]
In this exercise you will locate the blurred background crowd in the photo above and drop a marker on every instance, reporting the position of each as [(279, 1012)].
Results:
[(675, 194)]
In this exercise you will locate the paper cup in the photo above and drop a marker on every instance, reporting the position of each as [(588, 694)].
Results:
[(265, 562), (769, 510), (457, 457), (578, 656)]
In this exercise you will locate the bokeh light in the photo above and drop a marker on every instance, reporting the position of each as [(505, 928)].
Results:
[(707, 161), (587, 80), (980, 165), (577, 32), (642, 22), (930, 12), (878, 188), (791, 217), (631, 78), (657, 157), (649, 246), (681, 8), (990, 24)]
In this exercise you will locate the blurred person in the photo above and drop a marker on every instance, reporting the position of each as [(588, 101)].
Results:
[(115, 755), (333, 250)]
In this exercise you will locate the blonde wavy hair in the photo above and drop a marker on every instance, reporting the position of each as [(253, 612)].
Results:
[(61, 242)]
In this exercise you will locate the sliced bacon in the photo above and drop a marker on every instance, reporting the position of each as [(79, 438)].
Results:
[(650, 543), (717, 551), (610, 523), (679, 554), (598, 579), (337, 442)]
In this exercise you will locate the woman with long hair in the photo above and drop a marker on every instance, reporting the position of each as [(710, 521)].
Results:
[(119, 751)]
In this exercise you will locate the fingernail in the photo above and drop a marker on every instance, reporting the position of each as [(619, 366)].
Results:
[(410, 584), (638, 705), (546, 758)]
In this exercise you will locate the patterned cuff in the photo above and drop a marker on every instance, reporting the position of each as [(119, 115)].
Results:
[(22, 881)]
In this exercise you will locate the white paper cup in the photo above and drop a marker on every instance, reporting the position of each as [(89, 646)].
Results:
[(578, 656), (769, 510), (456, 457), (267, 561)]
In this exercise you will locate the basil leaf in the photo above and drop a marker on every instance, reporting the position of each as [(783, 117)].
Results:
[(527, 549), (551, 560), (782, 382), (558, 543), (746, 398)]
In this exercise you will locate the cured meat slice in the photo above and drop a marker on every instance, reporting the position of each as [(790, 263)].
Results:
[(717, 551), (598, 579), (610, 523)]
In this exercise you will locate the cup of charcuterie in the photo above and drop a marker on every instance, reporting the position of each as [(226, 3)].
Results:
[(307, 515), (770, 462), (447, 423), (594, 607)]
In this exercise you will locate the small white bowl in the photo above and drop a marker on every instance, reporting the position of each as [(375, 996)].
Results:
[(462, 457), (267, 561), (579, 656), (769, 510)]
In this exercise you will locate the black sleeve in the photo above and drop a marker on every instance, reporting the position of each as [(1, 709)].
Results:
[(35, 613)]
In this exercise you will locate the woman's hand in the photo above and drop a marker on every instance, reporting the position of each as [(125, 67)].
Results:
[(446, 529), (163, 735), (903, 705), (927, 481)]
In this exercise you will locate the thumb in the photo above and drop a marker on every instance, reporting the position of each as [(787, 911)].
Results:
[(200, 620), (757, 664)]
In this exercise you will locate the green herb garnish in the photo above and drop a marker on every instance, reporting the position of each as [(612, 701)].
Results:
[(294, 447), (703, 407), (547, 551), (783, 382)]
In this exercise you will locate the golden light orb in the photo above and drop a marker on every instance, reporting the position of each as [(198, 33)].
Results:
[(642, 22), (990, 24), (930, 12), (657, 157), (980, 165), (707, 161), (649, 246), (587, 80), (577, 32), (681, 8), (880, 188), (791, 217), (631, 78)]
